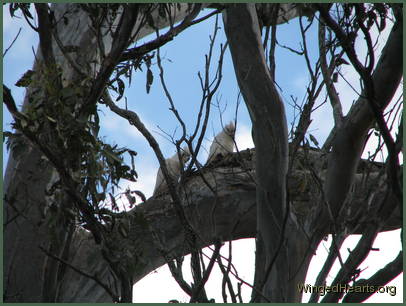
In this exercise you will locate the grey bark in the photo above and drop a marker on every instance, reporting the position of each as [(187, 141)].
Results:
[(27, 177), (287, 261), (351, 137), (232, 216), (25, 182), (32, 276)]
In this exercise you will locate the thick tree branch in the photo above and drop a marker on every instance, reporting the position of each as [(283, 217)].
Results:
[(120, 42), (136, 52), (369, 84), (235, 217), (45, 34), (349, 142), (271, 142)]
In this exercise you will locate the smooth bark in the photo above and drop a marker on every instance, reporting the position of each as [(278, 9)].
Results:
[(275, 261), (351, 137), (232, 216)]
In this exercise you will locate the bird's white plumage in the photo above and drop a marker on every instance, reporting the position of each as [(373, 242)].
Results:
[(223, 143), (173, 165)]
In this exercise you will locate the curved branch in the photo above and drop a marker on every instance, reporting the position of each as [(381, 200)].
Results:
[(234, 218), (349, 142), (380, 278)]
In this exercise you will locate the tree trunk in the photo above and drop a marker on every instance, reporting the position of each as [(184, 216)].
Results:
[(28, 176), (26, 267), (281, 249)]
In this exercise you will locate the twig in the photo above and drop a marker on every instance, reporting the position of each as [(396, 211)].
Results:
[(206, 275), (332, 255), (332, 93), (163, 39), (380, 278), (12, 43)]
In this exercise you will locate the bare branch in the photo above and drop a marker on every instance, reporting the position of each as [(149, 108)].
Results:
[(321, 277), (169, 98), (163, 39), (356, 257), (206, 275), (380, 278), (120, 42), (332, 93), (12, 43)]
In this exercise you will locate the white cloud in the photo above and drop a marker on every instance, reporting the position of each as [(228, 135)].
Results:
[(243, 137), (115, 124), (322, 122), (301, 81)]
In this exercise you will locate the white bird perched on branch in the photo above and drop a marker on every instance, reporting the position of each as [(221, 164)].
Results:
[(173, 165), (223, 143)]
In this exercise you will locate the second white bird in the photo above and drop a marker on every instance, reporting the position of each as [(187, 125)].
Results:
[(173, 165), (223, 143)]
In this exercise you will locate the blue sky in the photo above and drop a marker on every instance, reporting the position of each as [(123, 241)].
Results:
[(182, 59)]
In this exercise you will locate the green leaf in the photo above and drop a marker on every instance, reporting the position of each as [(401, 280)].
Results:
[(26, 79), (111, 155), (140, 194), (121, 88), (23, 123), (150, 79), (8, 135), (51, 119)]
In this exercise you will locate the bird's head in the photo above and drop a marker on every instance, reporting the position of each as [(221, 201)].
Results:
[(230, 129)]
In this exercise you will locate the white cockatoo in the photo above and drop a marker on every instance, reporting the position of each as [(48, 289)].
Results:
[(173, 165), (223, 143)]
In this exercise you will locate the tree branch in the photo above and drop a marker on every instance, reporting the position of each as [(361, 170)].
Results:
[(120, 42), (45, 34), (168, 36), (380, 278), (332, 93), (349, 142)]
